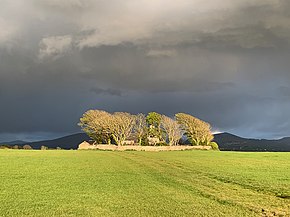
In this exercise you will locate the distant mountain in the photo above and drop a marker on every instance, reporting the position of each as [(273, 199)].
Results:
[(285, 140), (16, 142), (230, 142), (226, 141), (67, 142)]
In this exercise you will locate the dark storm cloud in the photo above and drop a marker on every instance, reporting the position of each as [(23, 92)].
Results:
[(227, 63)]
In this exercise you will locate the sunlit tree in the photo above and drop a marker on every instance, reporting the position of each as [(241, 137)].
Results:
[(196, 130), (96, 123), (153, 120), (121, 126), (172, 129), (140, 127)]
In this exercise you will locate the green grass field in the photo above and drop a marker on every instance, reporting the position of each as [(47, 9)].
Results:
[(103, 183)]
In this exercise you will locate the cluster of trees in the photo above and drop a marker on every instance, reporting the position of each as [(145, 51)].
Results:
[(26, 147), (105, 127)]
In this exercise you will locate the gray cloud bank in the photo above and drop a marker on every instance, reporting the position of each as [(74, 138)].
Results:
[(226, 62)]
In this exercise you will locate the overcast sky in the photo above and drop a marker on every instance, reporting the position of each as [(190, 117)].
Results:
[(226, 62)]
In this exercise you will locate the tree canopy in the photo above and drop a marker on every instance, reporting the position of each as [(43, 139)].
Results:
[(196, 130), (103, 127), (153, 120), (172, 129)]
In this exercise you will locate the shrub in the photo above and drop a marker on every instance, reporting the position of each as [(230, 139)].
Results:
[(162, 144), (15, 147), (5, 147), (214, 146), (27, 147), (145, 141)]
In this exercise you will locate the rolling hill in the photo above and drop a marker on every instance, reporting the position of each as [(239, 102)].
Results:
[(16, 142), (230, 142), (226, 141), (67, 142)]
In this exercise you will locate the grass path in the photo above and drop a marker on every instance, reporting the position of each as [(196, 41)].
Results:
[(100, 183)]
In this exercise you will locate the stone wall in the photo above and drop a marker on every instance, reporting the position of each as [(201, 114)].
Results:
[(145, 148)]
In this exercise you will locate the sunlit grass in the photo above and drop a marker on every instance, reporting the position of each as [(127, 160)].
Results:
[(103, 183)]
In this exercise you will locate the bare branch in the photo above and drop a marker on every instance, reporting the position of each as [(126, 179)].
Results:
[(172, 128)]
